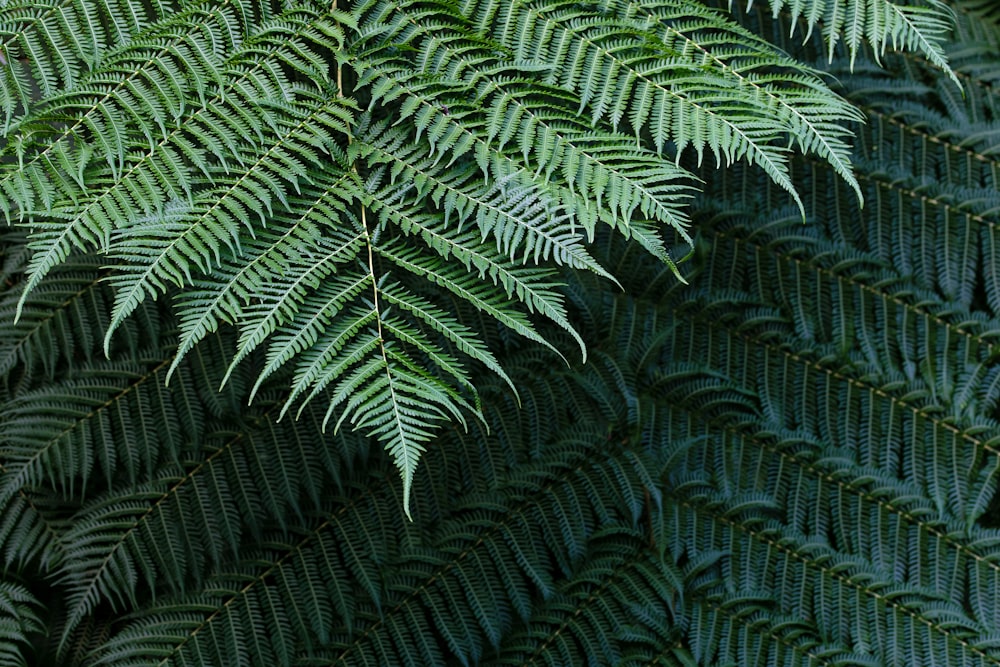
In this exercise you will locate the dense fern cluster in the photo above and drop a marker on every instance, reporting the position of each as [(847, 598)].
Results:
[(314, 175), (786, 457)]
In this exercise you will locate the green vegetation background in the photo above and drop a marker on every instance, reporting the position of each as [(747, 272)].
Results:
[(790, 458)]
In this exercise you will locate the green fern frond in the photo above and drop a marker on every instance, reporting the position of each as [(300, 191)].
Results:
[(60, 434), (338, 596), (921, 27), (507, 541), (654, 96), (58, 40), (596, 166), (456, 333), (232, 286), (315, 338), (172, 246), (31, 531), (72, 299), (243, 598), (166, 64), (20, 617), (112, 536), (525, 223), (211, 133), (531, 286), (224, 149), (584, 620)]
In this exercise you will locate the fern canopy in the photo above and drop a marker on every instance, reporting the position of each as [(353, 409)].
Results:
[(263, 259), (341, 183)]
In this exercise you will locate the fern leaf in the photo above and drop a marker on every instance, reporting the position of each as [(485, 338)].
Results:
[(439, 321), (521, 219), (172, 249), (920, 26), (391, 398), (498, 307), (221, 296), (21, 615), (280, 303), (160, 173), (658, 95), (60, 434)]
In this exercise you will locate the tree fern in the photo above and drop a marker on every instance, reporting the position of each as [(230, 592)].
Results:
[(357, 237), (174, 142)]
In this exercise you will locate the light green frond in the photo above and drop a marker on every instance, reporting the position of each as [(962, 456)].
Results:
[(311, 329), (216, 132), (51, 44), (220, 298), (441, 322), (390, 397), (620, 70), (920, 25), (524, 221), (167, 64), (281, 301), (610, 170), (170, 249), (530, 285), (607, 169), (497, 305)]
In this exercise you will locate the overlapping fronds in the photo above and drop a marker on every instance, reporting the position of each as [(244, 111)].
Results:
[(313, 174), (241, 228), (381, 577), (839, 381)]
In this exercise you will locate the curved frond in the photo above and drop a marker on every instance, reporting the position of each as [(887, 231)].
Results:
[(360, 238), (921, 26)]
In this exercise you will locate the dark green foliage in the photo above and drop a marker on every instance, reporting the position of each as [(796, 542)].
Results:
[(788, 458)]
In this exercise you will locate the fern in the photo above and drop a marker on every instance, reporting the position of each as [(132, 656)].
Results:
[(21, 613), (881, 24), (266, 259), (184, 143)]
